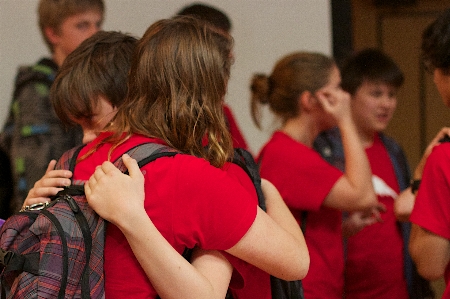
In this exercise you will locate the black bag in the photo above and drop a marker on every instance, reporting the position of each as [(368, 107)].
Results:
[(281, 289)]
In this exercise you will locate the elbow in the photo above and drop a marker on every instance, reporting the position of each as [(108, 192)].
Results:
[(301, 268), (430, 273), (297, 268), (300, 271), (427, 267), (305, 268)]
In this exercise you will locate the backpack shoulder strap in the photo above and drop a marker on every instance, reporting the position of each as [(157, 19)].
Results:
[(145, 153), (245, 160), (42, 72), (69, 159)]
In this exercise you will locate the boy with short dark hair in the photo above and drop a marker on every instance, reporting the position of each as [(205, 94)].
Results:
[(33, 134), (91, 85), (373, 269)]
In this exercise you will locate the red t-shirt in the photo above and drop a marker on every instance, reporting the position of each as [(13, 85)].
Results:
[(190, 202), (248, 281), (304, 180), (432, 207), (374, 270)]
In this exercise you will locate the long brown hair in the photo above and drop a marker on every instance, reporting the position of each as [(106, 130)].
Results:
[(177, 83)]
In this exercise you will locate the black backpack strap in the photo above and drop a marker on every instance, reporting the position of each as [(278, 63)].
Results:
[(245, 160), (65, 255), (66, 194), (73, 159), (281, 289), (85, 230), (17, 262), (69, 159)]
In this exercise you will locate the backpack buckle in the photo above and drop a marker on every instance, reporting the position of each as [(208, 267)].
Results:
[(35, 207), (5, 257)]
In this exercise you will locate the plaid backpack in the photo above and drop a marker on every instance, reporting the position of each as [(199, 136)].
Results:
[(55, 250)]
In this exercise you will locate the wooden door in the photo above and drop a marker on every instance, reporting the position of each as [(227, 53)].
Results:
[(397, 31)]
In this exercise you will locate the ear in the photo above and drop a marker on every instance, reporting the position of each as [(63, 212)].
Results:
[(51, 35), (307, 101)]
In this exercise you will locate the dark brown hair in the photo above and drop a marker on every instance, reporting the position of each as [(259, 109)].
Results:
[(369, 65), (98, 67), (436, 44)]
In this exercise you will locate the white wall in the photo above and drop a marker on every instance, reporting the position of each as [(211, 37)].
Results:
[(264, 30)]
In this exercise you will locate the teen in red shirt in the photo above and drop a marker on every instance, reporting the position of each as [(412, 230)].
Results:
[(304, 92), (430, 234)]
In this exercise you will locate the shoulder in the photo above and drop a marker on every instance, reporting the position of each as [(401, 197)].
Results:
[(439, 155), (284, 148), (41, 74), (44, 71)]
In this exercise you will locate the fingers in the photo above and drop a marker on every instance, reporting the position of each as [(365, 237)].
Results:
[(54, 178), (46, 192), (441, 134), (333, 101), (445, 131), (107, 168), (41, 194), (381, 207), (132, 166), (87, 190), (376, 217), (56, 181), (51, 166), (323, 98)]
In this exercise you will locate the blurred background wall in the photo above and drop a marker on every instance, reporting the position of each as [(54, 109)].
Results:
[(264, 30)]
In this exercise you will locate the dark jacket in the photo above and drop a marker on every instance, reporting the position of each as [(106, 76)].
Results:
[(33, 134)]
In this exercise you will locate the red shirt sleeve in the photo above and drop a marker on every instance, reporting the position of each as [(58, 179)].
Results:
[(301, 176), (432, 207)]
